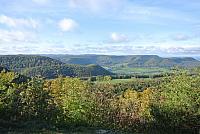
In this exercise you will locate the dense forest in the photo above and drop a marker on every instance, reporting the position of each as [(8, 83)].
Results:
[(168, 105), (18, 62), (66, 70), (33, 65)]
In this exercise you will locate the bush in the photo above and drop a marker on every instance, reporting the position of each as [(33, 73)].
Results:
[(72, 97), (178, 102)]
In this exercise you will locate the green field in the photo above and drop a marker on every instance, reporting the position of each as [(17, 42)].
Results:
[(128, 70), (116, 81)]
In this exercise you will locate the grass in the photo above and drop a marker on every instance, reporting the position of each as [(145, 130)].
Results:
[(128, 70), (117, 81)]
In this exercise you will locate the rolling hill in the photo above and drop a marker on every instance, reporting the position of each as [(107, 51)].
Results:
[(33, 65), (65, 70), (128, 61), (17, 62), (131, 64)]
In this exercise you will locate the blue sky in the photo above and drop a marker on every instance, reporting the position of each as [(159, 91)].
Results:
[(117, 27)]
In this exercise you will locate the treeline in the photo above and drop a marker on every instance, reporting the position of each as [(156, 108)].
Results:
[(70, 102), (117, 76)]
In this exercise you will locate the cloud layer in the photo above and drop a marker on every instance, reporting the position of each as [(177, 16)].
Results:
[(41, 2), (142, 27), (18, 22), (95, 6), (101, 49)]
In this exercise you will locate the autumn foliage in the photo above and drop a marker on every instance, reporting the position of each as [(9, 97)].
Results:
[(64, 102)]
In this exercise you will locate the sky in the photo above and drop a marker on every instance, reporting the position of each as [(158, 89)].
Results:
[(113, 27)]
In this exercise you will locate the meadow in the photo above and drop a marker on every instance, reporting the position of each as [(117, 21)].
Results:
[(140, 70)]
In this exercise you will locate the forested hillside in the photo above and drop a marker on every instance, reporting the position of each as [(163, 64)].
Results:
[(65, 70), (32, 65), (129, 61), (16, 62)]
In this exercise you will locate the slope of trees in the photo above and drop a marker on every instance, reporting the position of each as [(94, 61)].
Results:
[(65, 102), (31, 65), (17, 62), (66, 70)]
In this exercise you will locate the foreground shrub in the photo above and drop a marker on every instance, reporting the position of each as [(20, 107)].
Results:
[(131, 110), (72, 97), (178, 102), (36, 103), (24, 101), (71, 102)]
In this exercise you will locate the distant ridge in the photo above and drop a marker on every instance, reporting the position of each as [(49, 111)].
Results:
[(198, 58), (129, 60)]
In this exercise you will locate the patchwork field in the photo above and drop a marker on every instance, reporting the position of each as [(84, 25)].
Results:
[(140, 71)]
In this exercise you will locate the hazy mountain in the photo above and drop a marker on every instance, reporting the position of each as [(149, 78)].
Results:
[(198, 58), (129, 60)]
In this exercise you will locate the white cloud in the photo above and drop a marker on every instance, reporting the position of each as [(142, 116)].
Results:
[(12, 36), (155, 15), (17, 42), (148, 12), (140, 50), (181, 37), (118, 38), (18, 22), (67, 25), (95, 5), (41, 2)]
